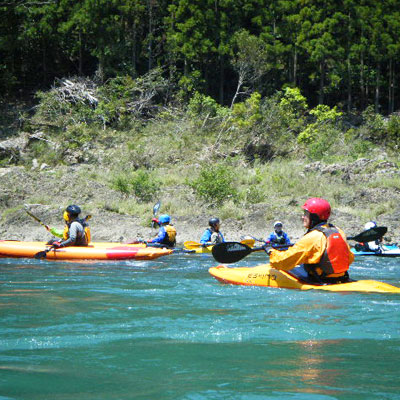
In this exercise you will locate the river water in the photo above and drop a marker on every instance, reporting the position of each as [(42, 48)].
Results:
[(166, 329)]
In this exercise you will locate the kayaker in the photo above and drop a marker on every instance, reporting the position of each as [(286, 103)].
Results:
[(278, 237), (76, 231), (167, 232), (374, 246), (212, 235), (322, 255)]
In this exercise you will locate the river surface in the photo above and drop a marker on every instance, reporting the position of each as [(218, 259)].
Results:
[(166, 329)]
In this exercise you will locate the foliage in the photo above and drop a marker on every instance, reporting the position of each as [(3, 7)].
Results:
[(323, 116), (214, 185), (140, 183), (247, 114), (342, 53)]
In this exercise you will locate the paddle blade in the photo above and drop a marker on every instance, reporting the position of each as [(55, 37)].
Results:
[(156, 208), (189, 244), (248, 242), (230, 252), (370, 235), (41, 254)]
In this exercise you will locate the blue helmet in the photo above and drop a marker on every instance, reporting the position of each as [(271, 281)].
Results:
[(164, 219)]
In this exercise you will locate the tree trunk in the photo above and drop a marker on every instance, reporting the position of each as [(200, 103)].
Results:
[(221, 79), (377, 87), (362, 91), (80, 66), (150, 46), (391, 87), (295, 66), (133, 57), (349, 98), (321, 82)]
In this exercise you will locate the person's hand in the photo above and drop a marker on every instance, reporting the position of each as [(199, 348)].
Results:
[(47, 227), (56, 245)]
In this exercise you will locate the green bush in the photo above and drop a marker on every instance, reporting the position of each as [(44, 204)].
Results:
[(393, 129), (215, 185), (140, 183)]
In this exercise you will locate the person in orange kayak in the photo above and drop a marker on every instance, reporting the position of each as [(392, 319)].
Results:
[(76, 231), (322, 255)]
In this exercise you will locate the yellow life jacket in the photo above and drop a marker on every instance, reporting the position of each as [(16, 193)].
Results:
[(171, 232)]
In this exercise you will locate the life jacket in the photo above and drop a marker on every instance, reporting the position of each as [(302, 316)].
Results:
[(86, 228), (335, 259), (278, 239), (170, 238), (216, 237)]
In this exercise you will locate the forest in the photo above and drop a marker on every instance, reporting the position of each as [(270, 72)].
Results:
[(338, 53)]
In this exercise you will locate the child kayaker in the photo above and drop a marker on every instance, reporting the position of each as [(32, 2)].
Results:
[(167, 232), (322, 255), (212, 235), (76, 231), (278, 237), (374, 246)]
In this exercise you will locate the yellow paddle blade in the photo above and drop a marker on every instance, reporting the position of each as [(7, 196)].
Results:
[(248, 242), (191, 245)]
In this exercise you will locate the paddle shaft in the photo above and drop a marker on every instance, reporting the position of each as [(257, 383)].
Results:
[(230, 252)]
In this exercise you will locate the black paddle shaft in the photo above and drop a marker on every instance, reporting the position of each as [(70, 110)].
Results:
[(231, 252)]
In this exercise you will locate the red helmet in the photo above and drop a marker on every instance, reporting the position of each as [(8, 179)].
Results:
[(319, 207)]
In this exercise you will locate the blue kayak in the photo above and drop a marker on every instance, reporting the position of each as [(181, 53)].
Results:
[(387, 250)]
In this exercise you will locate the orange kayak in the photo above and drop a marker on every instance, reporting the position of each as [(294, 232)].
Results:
[(95, 251)]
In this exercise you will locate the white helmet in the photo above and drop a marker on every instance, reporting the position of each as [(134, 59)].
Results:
[(370, 225), (277, 223)]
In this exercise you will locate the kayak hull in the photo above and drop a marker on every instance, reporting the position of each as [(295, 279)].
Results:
[(264, 275), (95, 251), (387, 251)]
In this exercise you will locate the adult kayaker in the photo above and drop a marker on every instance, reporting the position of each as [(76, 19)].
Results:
[(322, 255), (374, 246), (167, 232), (212, 235), (278, 236), (76, 231)]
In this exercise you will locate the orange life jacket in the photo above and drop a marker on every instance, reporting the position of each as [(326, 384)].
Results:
[(336, 258)]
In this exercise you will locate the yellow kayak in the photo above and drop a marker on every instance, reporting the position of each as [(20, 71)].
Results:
[(264, 275), (95, 251), (200, 249)]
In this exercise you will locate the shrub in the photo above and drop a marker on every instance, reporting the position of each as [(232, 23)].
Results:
[(214, 185), (140, 183)]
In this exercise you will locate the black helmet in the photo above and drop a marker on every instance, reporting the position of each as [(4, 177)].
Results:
[(213, 221), (73, 210)]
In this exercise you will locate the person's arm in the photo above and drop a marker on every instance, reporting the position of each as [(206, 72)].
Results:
[(287, 239), (56, 232), (160, 237), (308, 250), (270, 238), (206, 237)]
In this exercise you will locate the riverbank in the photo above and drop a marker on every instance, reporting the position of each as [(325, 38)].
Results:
[(366, 189)]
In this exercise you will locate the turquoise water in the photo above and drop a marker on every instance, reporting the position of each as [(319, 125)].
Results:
[(165, 329)]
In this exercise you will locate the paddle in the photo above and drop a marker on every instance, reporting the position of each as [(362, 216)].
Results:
[(174, 250), (370, 235), (155, 211), (195, 245), (46, 226), (230, 252), (37, 219), (43, 254)]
